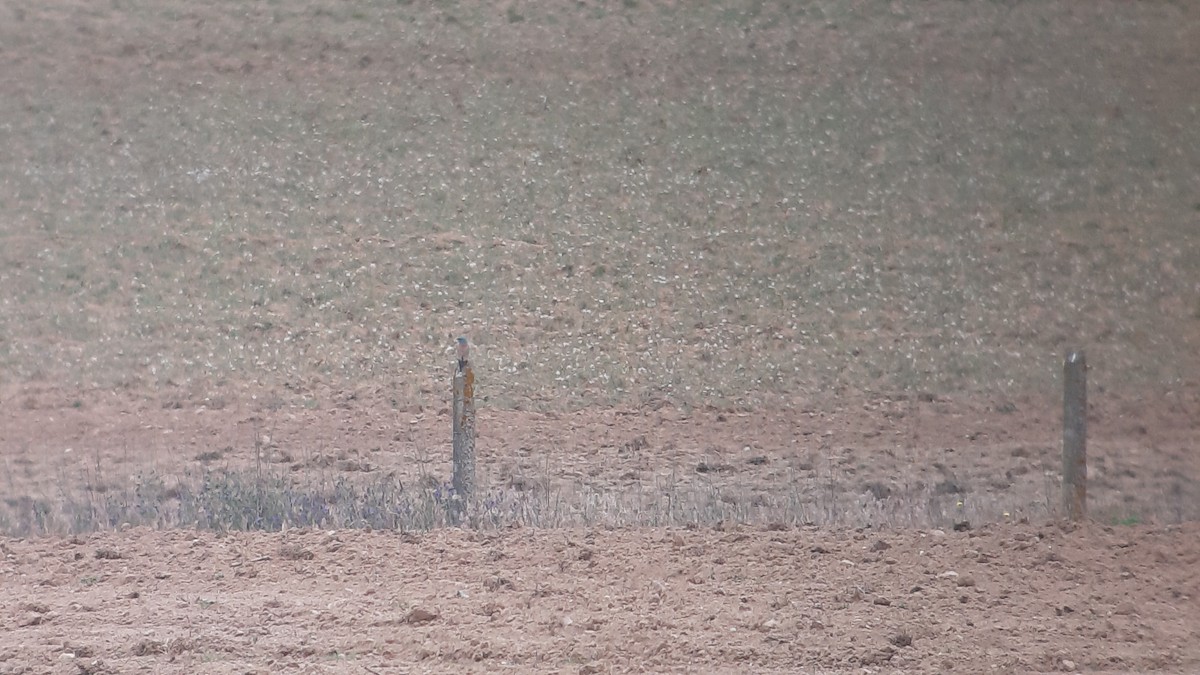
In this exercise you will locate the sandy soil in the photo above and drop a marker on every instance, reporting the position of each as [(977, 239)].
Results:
[(1007, 598)]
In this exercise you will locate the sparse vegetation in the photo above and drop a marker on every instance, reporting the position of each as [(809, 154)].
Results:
[(278, 499)]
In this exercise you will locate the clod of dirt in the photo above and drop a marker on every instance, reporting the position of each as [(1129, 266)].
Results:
[(901, 639), (94, 667), (148, 648), (35, 620), (948, 487), (351, 465), (209, 456), (636, 444), (882, 601), (420, 615), (878, 657), (758, 461), (180, 645), (107, 554), (962, 526), (78, 651), (707, 467), (295, 552), (497, 583), (880, 545), (878, 490)]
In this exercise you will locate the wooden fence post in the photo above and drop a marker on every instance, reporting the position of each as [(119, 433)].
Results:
[(1074, 451), (463, 384)]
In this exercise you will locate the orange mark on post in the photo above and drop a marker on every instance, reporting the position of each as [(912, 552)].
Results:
[(468, 394)]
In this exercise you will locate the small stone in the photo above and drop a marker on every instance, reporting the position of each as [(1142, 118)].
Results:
[(1068, 665), (948, 574), (882, 601), (964, 581)]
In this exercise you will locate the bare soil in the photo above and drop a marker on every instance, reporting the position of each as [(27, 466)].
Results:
[(1004, 598), (1030, 594)]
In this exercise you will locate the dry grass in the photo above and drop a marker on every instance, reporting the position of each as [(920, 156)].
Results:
[(829, 492), (273, 500)]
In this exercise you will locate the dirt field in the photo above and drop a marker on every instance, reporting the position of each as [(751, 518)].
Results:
[(768, 303), (1011, 598), (1001, 597)]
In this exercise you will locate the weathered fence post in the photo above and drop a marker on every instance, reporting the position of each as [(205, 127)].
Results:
[(1074, 451), (463, 383)]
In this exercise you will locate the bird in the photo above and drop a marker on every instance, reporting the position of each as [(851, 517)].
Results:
[(463, 350)]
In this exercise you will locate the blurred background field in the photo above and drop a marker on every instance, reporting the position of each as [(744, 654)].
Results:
[(711, 203), (724, 207)]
